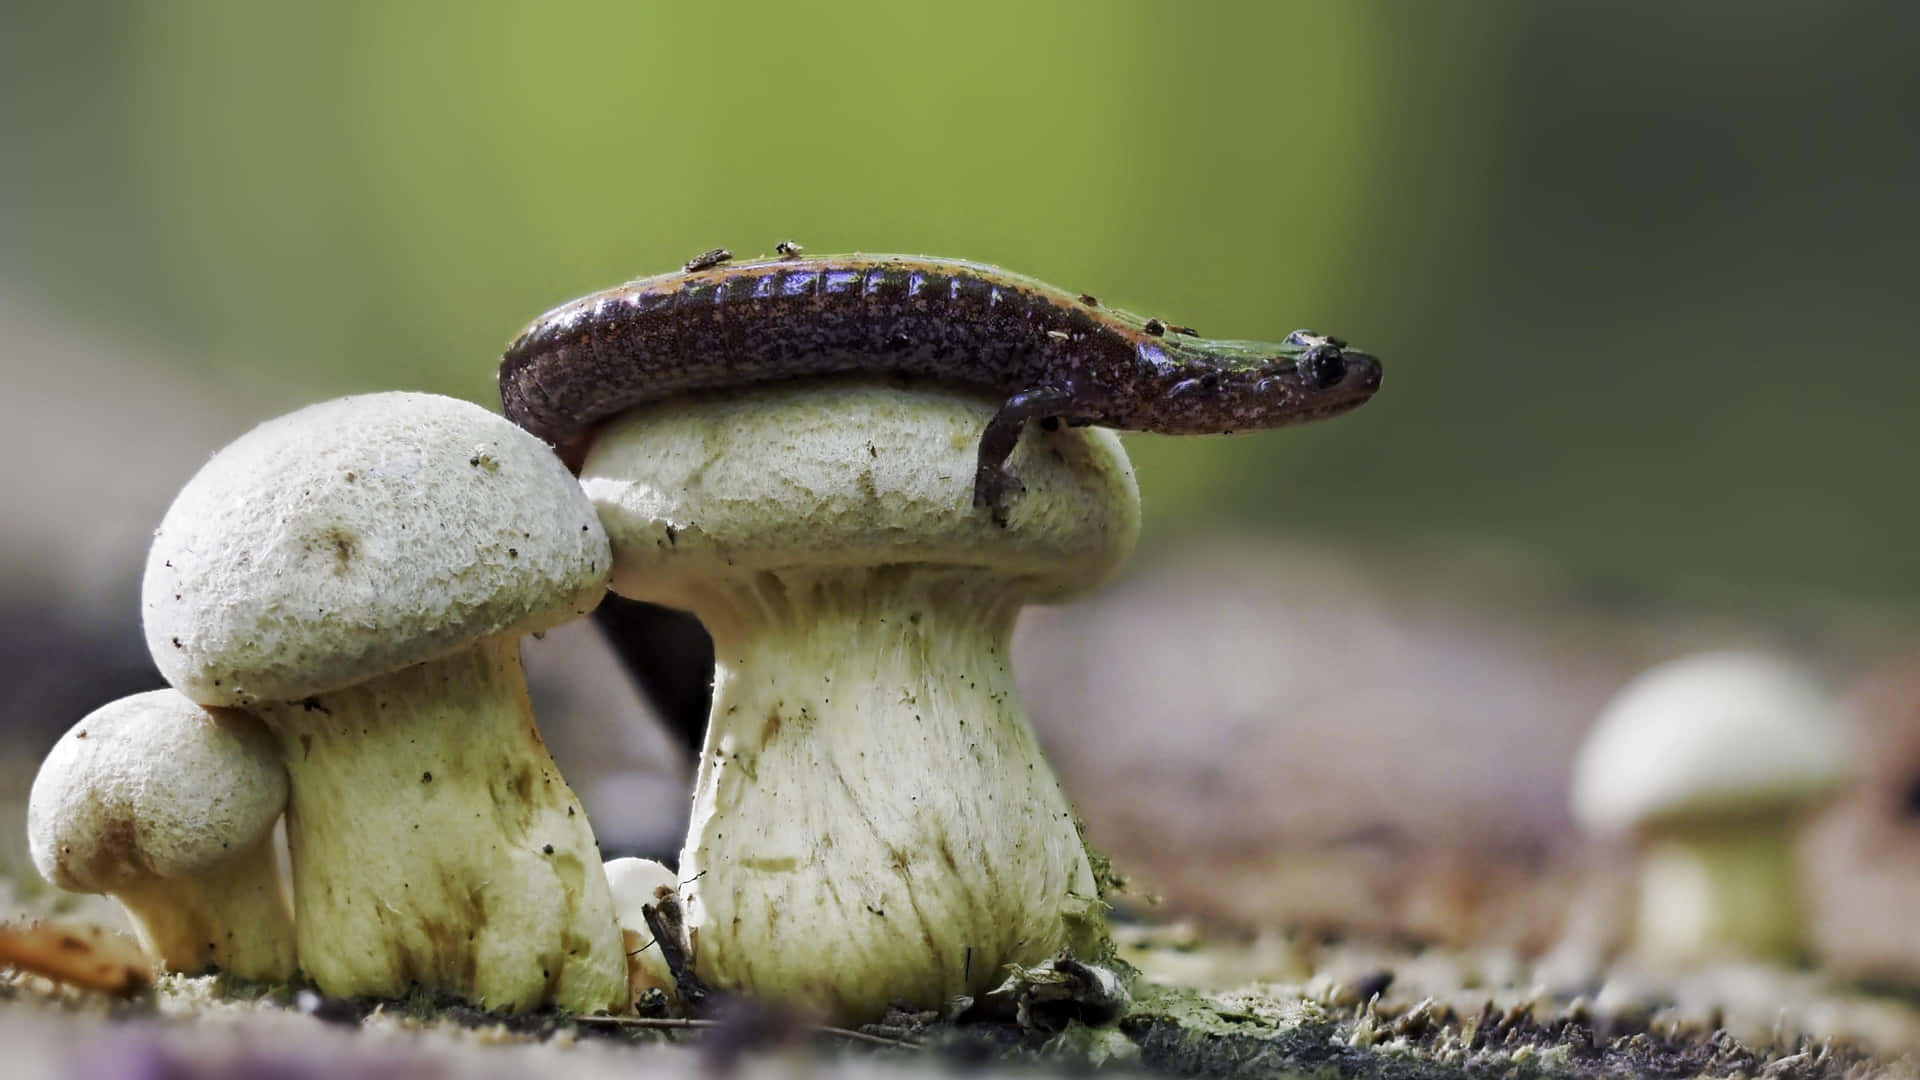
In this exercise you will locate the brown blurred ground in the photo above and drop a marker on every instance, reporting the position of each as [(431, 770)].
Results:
[(1306, 738), (1863, 854), (1273, 736)]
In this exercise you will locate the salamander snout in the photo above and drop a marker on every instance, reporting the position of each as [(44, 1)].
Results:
[(1359, 372), (1369, 370), (1250, 385)]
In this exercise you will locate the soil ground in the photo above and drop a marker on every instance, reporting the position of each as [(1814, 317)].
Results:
[(1284, 1009)]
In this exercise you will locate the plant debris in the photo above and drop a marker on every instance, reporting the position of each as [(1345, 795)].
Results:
[(1374, 1022), (84, 956)]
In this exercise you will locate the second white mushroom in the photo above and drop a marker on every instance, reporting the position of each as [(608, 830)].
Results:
[(873, 820), (359, 574)]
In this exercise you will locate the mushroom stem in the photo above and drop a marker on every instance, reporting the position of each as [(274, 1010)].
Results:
[(231, 917), (434, 842), (1721, 890), (873, 821)]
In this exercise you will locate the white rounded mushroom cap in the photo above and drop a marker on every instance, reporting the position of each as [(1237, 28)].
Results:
[(152, 786), (1727, 733), (635, 883), (819, 475), (360, 536)]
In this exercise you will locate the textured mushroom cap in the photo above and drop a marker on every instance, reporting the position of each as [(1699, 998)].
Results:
[(1718, 734), (152, 786), (360, 536), (819, 475)]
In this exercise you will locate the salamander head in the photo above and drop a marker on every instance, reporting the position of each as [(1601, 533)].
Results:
[(1210, 386)]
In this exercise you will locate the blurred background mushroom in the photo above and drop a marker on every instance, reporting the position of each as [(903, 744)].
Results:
[(1709, 765), (1634, 268)]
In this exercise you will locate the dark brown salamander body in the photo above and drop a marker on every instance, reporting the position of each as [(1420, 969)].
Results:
[(1043, 351)]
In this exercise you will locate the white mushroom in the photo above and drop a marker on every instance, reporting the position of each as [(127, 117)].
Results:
[(359, 574), (637, 884), (873, 821), (1710, 763), (169, 808)]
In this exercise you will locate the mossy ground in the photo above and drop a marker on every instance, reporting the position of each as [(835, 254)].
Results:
[(1365, 1025), (1203, 1006)]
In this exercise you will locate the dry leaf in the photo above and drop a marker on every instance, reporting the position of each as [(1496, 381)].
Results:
[(86, 956)]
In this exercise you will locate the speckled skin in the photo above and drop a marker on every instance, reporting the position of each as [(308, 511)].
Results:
[(1047, 352)]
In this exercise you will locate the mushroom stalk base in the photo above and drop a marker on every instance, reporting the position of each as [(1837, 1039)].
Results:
[(436, 846), (230, 918), (873, 821), (1720, 892)]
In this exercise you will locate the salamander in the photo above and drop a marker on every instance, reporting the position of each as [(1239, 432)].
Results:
[(1045, 353)]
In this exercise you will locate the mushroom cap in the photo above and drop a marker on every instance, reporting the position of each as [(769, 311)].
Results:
[(635, 883), (152, 785), (1711, 736), (849, 473), (358, 537)]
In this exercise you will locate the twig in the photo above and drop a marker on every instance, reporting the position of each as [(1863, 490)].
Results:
[(664, 920), (686, 1024), (87, 956)]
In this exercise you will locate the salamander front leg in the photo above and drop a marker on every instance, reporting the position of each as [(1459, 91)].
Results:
[(992, 483)]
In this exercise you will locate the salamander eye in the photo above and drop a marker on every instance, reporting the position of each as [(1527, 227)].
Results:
[(1323, 367)]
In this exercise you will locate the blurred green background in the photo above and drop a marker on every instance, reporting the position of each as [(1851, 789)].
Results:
[(1640, 273)]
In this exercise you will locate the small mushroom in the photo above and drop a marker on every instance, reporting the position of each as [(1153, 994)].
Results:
[(359, 574), (873, 820), (1710, 763), (637, 883), (169, 808)]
